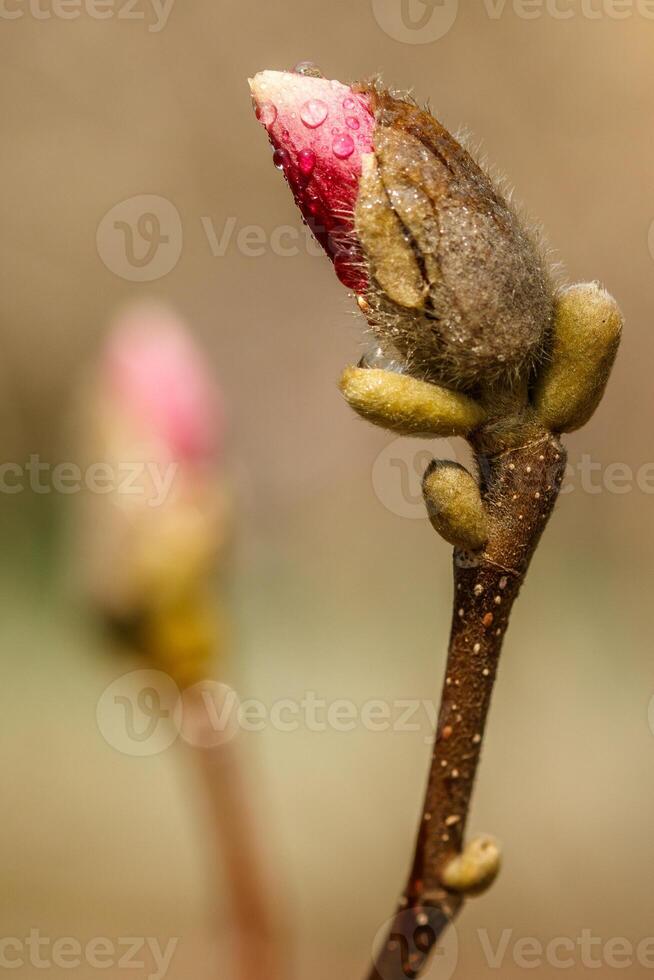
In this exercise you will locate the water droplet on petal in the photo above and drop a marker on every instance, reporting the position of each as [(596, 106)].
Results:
[(348, 103), (313, 113), (352, 122), (343, 146), (309, 68), (306, 160), (266, 113), (280, 159)]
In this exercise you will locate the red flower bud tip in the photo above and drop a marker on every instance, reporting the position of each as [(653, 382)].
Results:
[(159, 378), (320, 130)]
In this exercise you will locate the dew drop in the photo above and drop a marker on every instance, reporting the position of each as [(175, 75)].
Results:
[(306, 160), (376, 357), (280, 159), (313, 205), (313, 113), (348, 103), (266, 113), (352, 122), (309, 68), (343, 146)]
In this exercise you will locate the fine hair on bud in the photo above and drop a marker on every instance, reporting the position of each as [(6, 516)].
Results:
[(458, 287)]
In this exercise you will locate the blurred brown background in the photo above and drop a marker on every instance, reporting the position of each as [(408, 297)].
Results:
[(338, 587)]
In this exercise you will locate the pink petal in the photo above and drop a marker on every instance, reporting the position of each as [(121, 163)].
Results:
[(319, 130), (160, 378)]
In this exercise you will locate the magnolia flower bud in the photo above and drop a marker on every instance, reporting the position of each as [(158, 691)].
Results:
[(158, 380), (320, 130), (452, 281), (154, 418)]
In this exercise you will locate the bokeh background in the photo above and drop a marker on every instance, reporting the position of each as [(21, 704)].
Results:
[(337, 585)]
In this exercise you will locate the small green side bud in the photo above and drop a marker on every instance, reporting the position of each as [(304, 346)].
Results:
[(454, 505), (586, 335), (407, 405), (473, 871)]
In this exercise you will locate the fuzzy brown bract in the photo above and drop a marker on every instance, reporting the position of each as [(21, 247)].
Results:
[(475, 301)]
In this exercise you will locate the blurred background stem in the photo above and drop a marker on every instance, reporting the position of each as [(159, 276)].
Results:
[(255, 929)]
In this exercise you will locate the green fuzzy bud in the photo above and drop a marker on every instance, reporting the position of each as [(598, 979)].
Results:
[(407, 405), (586, 336), (473, 871), (454, 505)]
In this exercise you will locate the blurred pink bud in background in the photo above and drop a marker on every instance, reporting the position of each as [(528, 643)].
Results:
[(157, 375), (154, 416)]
